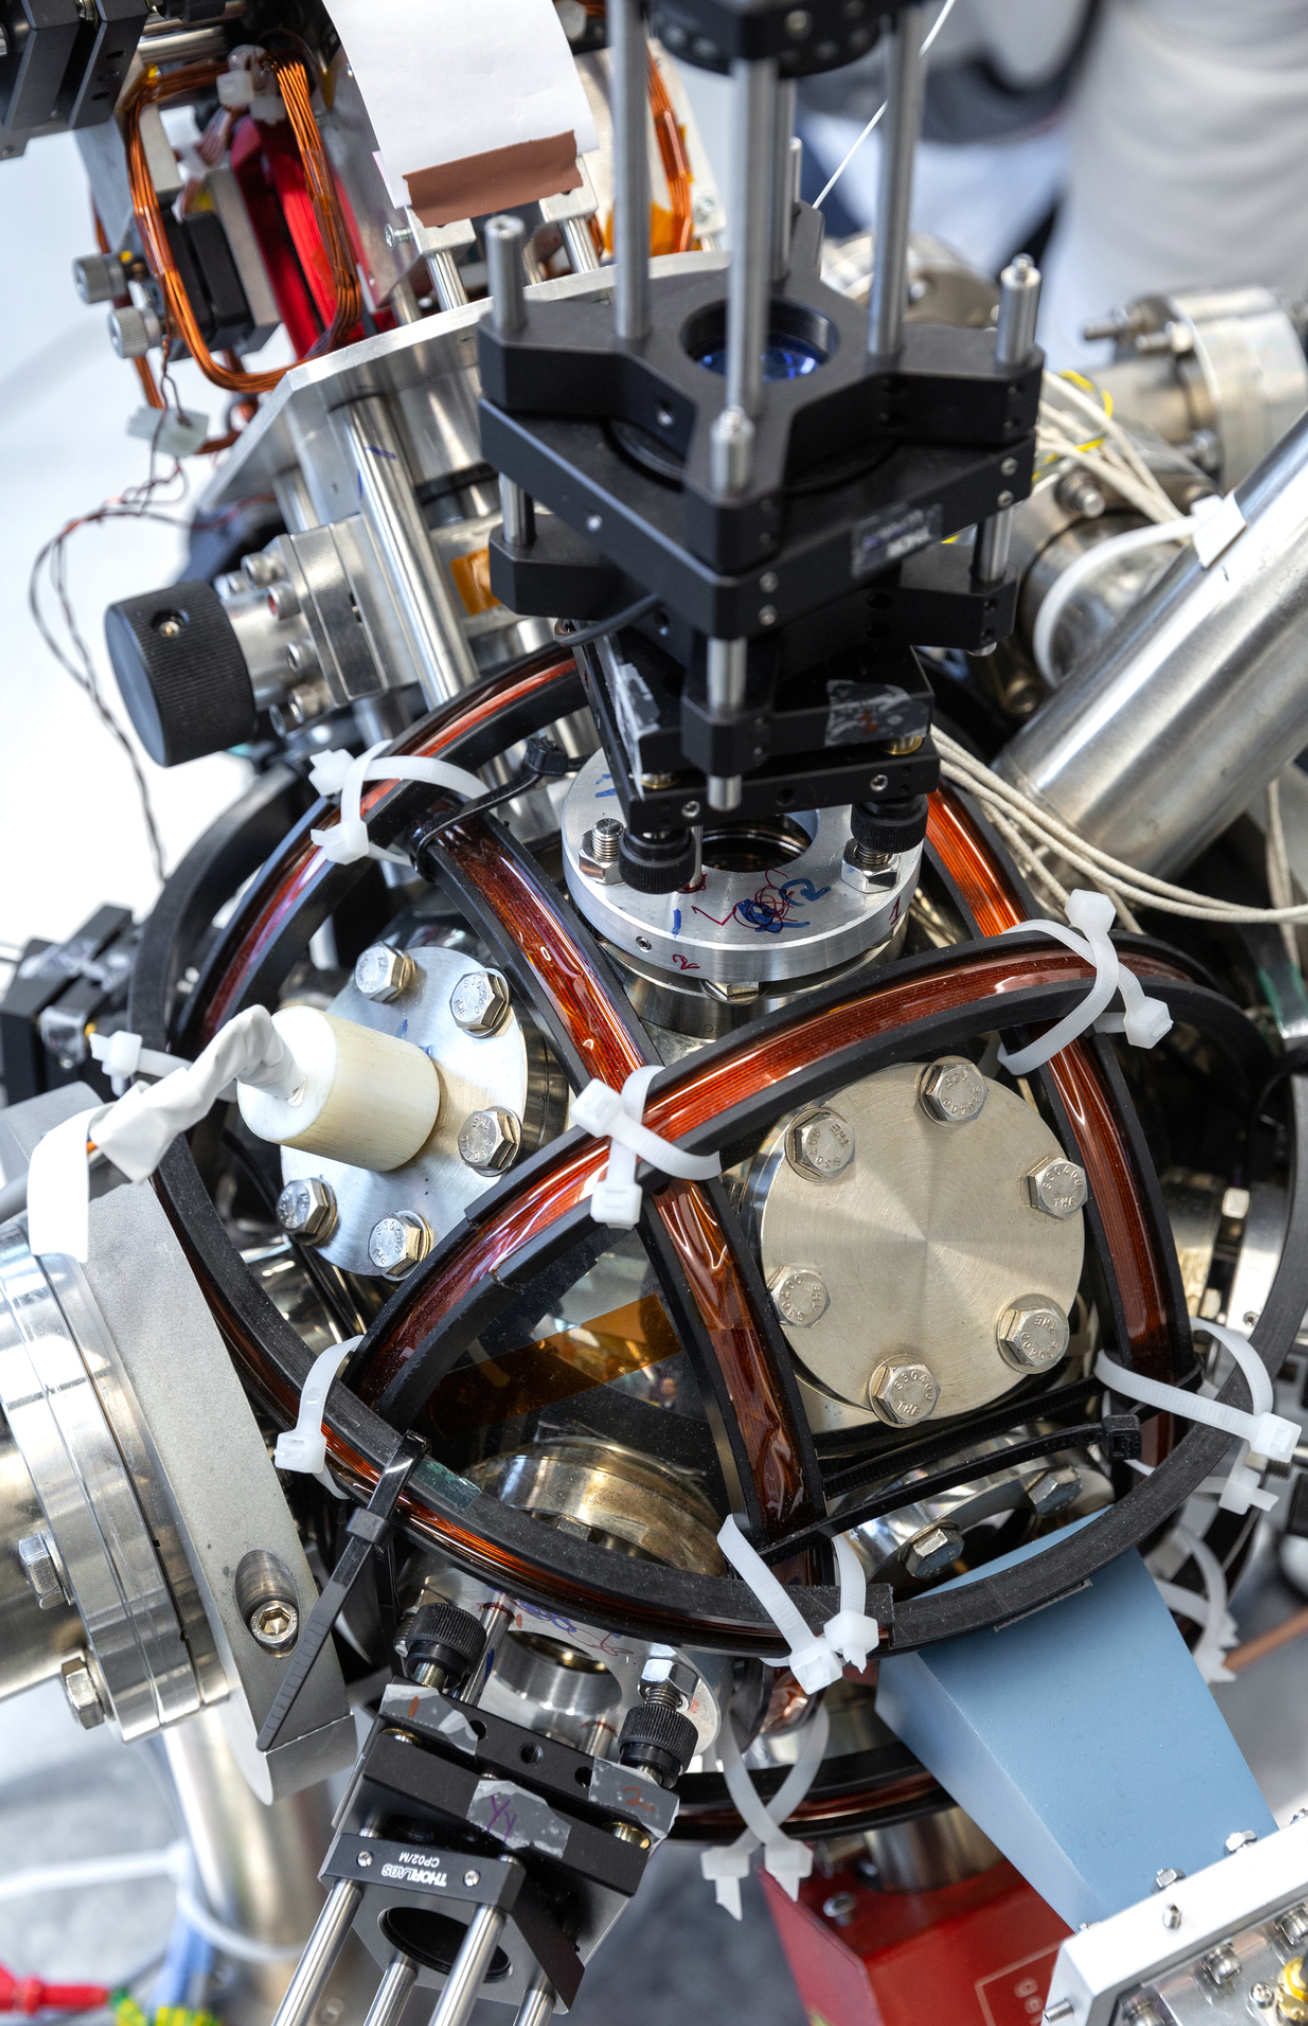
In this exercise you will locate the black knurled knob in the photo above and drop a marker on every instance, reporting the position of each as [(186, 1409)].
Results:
[(889, 826), (181, 672), (662, 862), (442, 1635), (661, 1739)]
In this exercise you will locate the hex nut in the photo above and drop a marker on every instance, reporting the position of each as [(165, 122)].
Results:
[(952, 1091), (42, 1572), (396, 1244), (931, 1552), (479, 1003), (490, 1140), (820, 1145), (598, 854), (666, 1671), (382, 973), (1052, 1490), (800, 1294), (1057, 1188), (306, 1209), (901, 1394), (1032, 1334), (82, 1693)]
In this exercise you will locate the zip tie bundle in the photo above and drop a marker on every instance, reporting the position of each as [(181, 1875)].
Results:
[(304, 1447), (137, 1130), (785, 1858), (1143, 1020), (1262, 1432), (816, 1659), (123, 1056), (617, 1117), (341, 773)]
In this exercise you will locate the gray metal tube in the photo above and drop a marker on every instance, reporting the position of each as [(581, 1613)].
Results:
[(504, 240), (538, 2004), (751, 134), (1015, 328), (906, 68), (406, 557), (727, 672), (783, 174), (393, 1992), (580, 245), (470, 1967), (320, 1953), (628, 61), (446, 279), (1191, 705)]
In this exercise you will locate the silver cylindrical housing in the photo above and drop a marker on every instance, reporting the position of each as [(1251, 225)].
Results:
[(1197, 699), (753, 124), (628, 64)]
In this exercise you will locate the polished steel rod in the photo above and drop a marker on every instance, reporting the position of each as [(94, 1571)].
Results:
[(628, 70), (393, 1992), (906, 68), (470, 1966), (750, 208)]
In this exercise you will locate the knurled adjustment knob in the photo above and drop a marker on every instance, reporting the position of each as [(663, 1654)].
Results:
[(181, 672), (662, 862), (889, 826), (659, 1740), (441, 1635)]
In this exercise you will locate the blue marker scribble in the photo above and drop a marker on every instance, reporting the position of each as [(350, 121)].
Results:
[(676, 921)]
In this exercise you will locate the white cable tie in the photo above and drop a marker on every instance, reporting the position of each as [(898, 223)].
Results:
[(617, 1116), (136, 1131), (1143, 1020), (345, 775), (851, 1634), (1219, 1628), (1262, 1432), (785, 1858), (124, 1055), (810, 1658), (304, 1447)]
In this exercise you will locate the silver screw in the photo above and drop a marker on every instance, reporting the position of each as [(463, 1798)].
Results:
[(1051, 1491), (82, 1693), (1078, 493), (364, 1860), (383, 973), (952, 1091), (471, 1878), (169, 628), (1032, 1334), (1221, 1966), (667, 1680), (396, 1244), (1061, 2009), (261, 568), (820, 1145), (274, 1624), (490, 1140), (1171, 1915), (479, 1003), (283, 599), (598, 855), (307, 1209), (840, 1908), (41, 1571), (1293, 1926), (1239, 1839), (798, 23), (865, 870), (800, 1294), (1263, 1996), (1169, 1875), (931, 1552), (1057, 1188), (398, 235), (902, 1394)]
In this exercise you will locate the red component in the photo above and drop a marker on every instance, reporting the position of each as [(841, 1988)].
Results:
[(267, 166), (980, 1953), (30, 1994)]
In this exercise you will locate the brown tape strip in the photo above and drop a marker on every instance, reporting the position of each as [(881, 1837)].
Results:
[(495, 181)]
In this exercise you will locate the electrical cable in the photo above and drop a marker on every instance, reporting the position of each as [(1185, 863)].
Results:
[(613, 624)]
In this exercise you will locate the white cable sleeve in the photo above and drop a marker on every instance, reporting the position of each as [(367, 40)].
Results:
[(344, 774), (116, 1867), (786, 1858), (135, 1132), (1219, 1629), (1087, 565), (617, 1116), (304, 1447), (809, 1657), (1144, 1020), (229, 1941)]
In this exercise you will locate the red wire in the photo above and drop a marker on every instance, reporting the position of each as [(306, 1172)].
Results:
[(32, 1994)]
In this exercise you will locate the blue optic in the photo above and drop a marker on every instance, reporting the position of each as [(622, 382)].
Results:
[(783, 358)]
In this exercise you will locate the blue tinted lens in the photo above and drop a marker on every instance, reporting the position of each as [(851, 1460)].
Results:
[(783, 359)]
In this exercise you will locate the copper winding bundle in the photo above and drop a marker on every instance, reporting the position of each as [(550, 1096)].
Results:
[(157, 89)]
